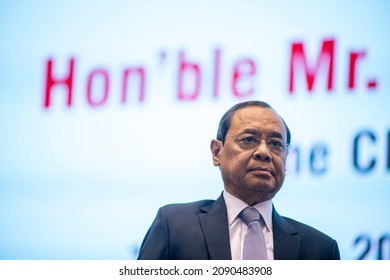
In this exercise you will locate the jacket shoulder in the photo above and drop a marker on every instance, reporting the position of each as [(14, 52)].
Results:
[(186, 209), (314, 243), (308, 230), (176, 233)]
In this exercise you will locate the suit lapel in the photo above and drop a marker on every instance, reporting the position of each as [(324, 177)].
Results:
[(286, 241), (215, 228), (214, 224)]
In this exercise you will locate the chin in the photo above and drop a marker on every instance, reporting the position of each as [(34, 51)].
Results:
[(263, 188), (262, 185)]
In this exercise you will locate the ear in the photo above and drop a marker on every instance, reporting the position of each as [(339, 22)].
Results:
[(216, 148)]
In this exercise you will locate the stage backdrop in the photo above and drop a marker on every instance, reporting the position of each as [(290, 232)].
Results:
[(107, 109)]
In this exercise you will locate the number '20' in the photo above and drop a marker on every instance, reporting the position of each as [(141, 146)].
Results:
[(367, 245)]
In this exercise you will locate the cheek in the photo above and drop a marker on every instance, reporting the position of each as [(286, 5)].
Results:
[(235, 161), (231, 154), (280, 167)]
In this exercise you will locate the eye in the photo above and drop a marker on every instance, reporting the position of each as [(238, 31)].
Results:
[(275, 143), (249, 139)]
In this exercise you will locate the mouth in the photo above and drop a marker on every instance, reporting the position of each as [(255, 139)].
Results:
[(261, 171)]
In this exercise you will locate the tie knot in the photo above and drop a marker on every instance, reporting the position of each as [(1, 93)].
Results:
[(250, 214)]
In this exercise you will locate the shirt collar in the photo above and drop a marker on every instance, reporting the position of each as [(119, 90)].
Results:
[(235, 205)]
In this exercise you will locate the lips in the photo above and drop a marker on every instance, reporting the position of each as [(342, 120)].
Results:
[(261, 171)]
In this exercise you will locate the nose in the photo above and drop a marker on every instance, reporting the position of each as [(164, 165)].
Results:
[(262, 152)]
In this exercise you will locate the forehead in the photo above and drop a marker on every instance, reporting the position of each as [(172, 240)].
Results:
[(257, 118)]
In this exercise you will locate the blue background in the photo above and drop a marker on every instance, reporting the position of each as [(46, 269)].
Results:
[(85, 182)]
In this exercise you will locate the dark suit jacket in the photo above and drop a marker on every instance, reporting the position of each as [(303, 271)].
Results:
[(199, 231)]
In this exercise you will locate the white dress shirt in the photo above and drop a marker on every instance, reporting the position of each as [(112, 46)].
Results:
[(238, 229)]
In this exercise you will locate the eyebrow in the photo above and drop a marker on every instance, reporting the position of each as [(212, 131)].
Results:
[(274, 134), (277, 134)]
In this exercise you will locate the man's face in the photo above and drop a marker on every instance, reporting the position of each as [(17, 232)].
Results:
[(252, 159)]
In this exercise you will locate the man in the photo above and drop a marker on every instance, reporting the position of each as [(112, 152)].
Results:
[(250, 150)]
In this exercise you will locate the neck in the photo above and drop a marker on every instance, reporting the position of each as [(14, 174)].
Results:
[(252, 198)]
